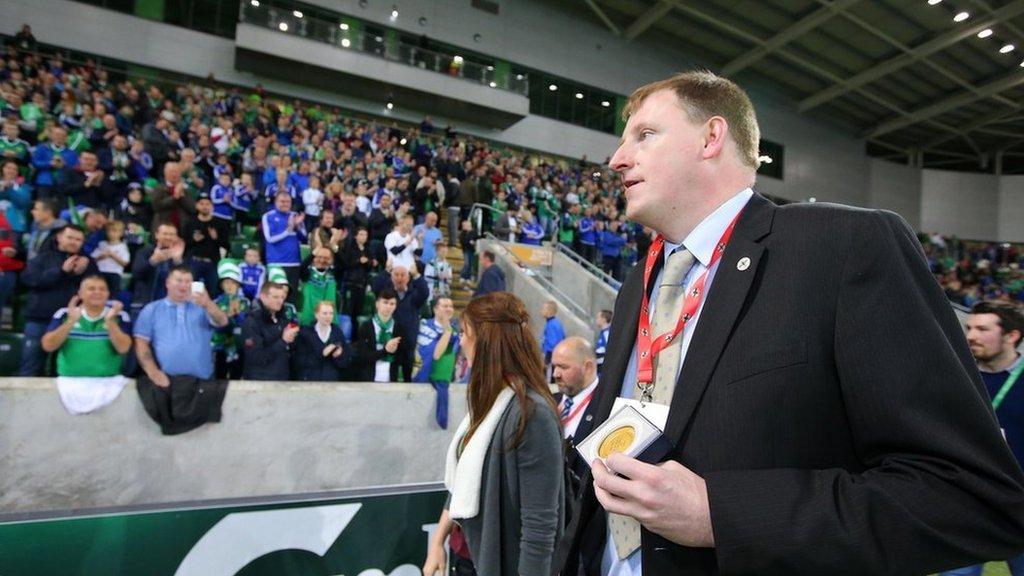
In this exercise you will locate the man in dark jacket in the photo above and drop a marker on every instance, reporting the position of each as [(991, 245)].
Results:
[(412, 293), (52, 278), (85, 183), (268, 338), (492, 279)]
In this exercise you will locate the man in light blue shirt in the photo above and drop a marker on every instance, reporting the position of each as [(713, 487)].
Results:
[(428, 235), (172, 335)]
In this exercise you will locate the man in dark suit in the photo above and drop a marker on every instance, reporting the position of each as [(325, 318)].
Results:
[(492, 279), (412, 292), (824, 413)]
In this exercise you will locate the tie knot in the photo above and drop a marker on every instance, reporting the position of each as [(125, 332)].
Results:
[(678, 264)]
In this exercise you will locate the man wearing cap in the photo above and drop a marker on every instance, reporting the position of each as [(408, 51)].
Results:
[(276, 275)]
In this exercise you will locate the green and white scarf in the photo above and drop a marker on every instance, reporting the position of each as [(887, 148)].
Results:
[(383, 330)]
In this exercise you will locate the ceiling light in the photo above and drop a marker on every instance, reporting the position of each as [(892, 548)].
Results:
[(605, 103), (390, 106), (379, 39), (297, 14), (394, 12), (255, 3), (493, 84), (765, 159), (960, 17), (490, 68), (343, 26), (283, 26), (1022, 64), (345, 42), (519, 76), (552, 87), (1006, 49), (579, 96), (812, 200), (403, 141), (933, 2), (457, 59), (985, 33)]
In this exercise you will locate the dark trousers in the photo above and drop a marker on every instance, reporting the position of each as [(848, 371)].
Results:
[(225, 370), (461, 566), (33, 358), (401, 366)]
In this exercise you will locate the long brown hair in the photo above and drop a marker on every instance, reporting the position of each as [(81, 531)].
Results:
[(505, 354)]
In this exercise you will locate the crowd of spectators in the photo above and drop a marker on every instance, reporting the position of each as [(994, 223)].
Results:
[(227, 222), (973, 271)]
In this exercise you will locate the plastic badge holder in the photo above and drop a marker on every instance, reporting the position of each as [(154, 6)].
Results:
[(629, 432)]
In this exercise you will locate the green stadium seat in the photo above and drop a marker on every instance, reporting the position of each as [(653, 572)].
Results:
[(249, 232), (18, 312), (10, 353), (304, 251), (238, 247)]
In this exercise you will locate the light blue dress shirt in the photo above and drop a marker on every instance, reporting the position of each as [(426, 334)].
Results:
[(701, 242), (180, 337)]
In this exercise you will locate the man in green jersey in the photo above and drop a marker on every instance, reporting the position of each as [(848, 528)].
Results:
[(90, 339)]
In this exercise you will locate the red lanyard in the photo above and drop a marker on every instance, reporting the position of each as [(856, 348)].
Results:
[(579, 407), (647, 346)]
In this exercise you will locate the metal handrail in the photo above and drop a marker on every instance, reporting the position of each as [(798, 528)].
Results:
[(588, 265), (544, 282), (476, 214)]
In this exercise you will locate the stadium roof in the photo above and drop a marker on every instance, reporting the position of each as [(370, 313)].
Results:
[(910, 76)]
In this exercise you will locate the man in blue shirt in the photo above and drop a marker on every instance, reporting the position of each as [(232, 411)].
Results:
[(283, 230), (554, 332), (50, 160), (994, 331), (604, 323), (172, 335), (428, 235)]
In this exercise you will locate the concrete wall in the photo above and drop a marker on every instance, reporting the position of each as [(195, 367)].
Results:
[(896, 187), (275, 439), (960, 203), (533, 294), (582, 287), (1011, 209)]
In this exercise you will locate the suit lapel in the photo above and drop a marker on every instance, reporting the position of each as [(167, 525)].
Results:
[(620, 346), (725, 301)]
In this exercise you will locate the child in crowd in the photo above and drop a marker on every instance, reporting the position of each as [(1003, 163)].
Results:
[(112, 255), (376, 343), (312, 201), (253, 273), (221, 195), (242, 199), (232, 302), (438, 273)]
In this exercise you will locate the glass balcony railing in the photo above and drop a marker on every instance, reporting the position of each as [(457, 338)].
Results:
[(387, 45)]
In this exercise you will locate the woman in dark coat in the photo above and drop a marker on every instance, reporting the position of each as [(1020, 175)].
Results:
[(321, 353)]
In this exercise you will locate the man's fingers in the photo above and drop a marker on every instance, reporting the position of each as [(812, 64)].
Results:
[(632, 468)]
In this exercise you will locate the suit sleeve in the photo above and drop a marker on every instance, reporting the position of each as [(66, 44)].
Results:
[(939, 488)]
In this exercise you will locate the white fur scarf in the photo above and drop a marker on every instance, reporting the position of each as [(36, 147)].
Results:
[(462, 476)]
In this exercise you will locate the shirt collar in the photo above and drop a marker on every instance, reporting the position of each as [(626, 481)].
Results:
[(585, 392), (1010, 368), (703, 239)]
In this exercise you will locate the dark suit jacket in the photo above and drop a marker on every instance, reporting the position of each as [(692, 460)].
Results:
[(367, 355), (830, 402), (491, 280), (310, 363)]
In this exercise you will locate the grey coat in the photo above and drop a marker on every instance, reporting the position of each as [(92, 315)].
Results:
[(521, 497)]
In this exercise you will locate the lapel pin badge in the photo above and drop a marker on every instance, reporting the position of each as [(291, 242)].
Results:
[(743, 264)]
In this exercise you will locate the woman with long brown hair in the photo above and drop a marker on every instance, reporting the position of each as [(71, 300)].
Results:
[(504, 466)]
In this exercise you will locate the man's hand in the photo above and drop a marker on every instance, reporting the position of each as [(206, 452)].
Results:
[(160, 378), (8, 251), (81, 263), (201, 298), (74, 309), (290, 334), (392, 345), (69, 264), (113, 315), (668, 499), (212, 231), (177, 251)]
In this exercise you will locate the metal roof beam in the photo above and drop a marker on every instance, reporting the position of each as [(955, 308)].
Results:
[(990, 118), (956, 78), (1004, 83), (646, 20), (932, 46), (799, 28), (604, 17)]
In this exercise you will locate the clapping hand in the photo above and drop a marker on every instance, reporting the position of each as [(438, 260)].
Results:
[(81, 263), (74, 309), (392, 345), (114, 313)]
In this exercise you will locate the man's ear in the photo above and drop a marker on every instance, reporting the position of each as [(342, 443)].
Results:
[(716, 131)]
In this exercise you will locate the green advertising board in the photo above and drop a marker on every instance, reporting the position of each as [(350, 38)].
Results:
[(375, 535)]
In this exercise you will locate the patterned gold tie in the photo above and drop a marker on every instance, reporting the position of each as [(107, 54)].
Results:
[(671, 295)]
